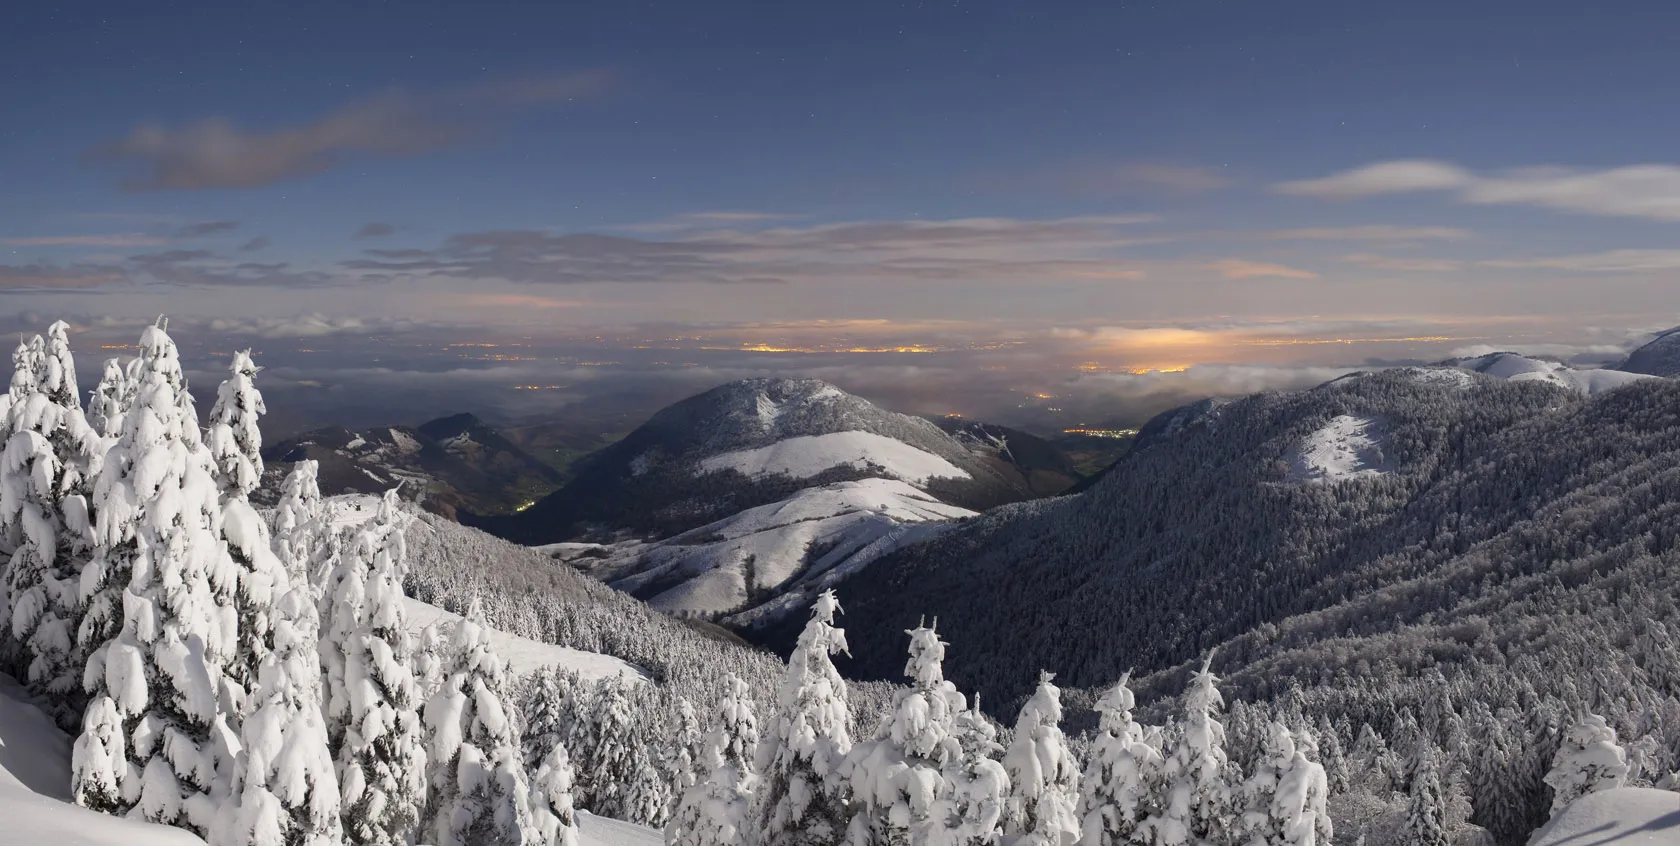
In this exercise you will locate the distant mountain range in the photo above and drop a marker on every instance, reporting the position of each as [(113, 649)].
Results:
[(1660, 357)]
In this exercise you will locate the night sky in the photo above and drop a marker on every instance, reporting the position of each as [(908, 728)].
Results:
[(1000, 198)]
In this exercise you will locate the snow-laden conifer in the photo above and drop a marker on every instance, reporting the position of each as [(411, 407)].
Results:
[(687, 742), (549, 706), (285, 788), (970, 808), (802, 800), (234, 438), (1285, 797), (611, 751), (299, 528), (381, 750), (1196, 803), (1589, 760), (157, 632), (1426, 812), (1115, 797), (896, 778), (479, 792), (551, 799), (1043, 773), (717, 809), (105, 403)]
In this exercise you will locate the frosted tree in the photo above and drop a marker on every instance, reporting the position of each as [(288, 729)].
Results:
[(551, 799), (41, 579), (285, 787), (1043, 773), (687, 742), (344, 576), (716, 810), (106, 401), (381, 752), (158, 636), (1426, 812), (803, 798), (896, 778), (236, 444), (1285, 797), (58, 370), (1115, 797), (298, 523), (550, 709), (969, 810), (1196, 805), (1589, 760), (611, 751), (480, 796), (27, 363), (101, 775)]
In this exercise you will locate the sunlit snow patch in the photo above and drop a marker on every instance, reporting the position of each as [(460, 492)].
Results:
[(1622, 817), (523, 654), (807, 455), (1348, 448)]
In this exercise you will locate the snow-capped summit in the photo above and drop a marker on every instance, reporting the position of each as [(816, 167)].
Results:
[(1660, 357), (1520, 368), (750, 443)]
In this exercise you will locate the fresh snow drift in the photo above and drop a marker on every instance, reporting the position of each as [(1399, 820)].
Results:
[(602, 831), (1348, 448), (806, 456), (1626, 816), (791, 548), (35, 806)]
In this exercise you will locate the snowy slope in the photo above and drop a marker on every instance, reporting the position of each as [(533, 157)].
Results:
[(1628, 816), (35, 805), (806, 456), (1660, 357), (524, 655), (602, 831), (773, 554), (1347, 448), (1520, 368)]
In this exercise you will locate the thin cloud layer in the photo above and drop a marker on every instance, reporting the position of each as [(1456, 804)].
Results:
[(1649, 191)]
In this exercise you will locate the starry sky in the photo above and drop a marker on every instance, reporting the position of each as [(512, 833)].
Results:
[(1001, 197)]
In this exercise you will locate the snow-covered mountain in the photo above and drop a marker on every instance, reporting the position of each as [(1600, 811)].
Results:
[(447, 465), (747, 444), (1520, 368), (757, 565), (1028, 460), (1660, 357)]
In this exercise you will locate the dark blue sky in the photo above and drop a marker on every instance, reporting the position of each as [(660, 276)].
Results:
[(1070, 167)]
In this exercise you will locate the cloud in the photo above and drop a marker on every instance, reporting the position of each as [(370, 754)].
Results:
[(122, 240), (202, 268), (1613, 261), (991, 248), (1171, 178), (375, 229), (254, 244), (1371, 233), (213, 227), (1096, 176), (1405, 264), (215, 153), (34, 276), (1245, 269), (1648, 191)]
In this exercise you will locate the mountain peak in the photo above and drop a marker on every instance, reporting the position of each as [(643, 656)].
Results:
[(1659, 357)]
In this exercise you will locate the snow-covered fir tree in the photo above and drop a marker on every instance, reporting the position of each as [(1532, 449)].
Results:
[(381, 749), (717, 809), (1589, 760), (233, 437), (480, 795), (803, 798), (106, 401), (1426, 812), (285, 788), (1043, 773), (1115, 796), (1285, 796), (299, 528), (41, 580), (687, 742), (156, 569), (551, 800), (345, 562), (1196, 803), (896, 778), (549, 704), (611, 752), (975, 787)]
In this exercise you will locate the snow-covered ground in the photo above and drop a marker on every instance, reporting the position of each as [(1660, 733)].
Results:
[(807, 455), (523, 654), (601, 831), (1347, 448), (35, 807), (1628, 816), (708, 570)]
